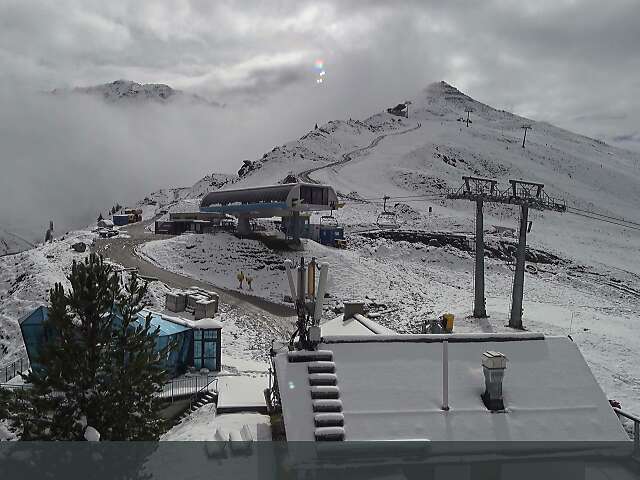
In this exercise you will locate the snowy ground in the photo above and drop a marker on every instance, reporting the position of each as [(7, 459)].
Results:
[(422, 282), (202, 425)]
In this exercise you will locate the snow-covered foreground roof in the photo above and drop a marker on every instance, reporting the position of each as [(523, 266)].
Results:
[(391, 389)]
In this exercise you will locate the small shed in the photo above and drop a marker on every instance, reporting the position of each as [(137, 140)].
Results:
[(105, 223), (326, 234), (196, 344)]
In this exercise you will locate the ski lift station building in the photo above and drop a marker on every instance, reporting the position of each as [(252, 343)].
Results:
[(287, 200), (197, 343)]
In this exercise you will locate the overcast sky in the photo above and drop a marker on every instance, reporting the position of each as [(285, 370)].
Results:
[(573, 63)]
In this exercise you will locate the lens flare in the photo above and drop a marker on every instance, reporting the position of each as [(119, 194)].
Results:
[(319, 64)]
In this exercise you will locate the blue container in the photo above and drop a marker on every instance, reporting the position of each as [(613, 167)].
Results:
[(120, 220)]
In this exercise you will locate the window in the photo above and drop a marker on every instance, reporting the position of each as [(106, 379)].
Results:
[(317, 196), (306, 195), (205, 349)]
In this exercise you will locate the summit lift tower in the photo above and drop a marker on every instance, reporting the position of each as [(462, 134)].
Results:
[(525, 194)]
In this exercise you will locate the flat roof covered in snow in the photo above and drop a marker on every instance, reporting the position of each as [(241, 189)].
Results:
[(390, 387)]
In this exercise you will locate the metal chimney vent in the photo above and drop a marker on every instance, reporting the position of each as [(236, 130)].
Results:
[(493, 365)]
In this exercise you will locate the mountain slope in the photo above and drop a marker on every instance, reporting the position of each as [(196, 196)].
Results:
[(589, 291), (587, 173), (10, 243)]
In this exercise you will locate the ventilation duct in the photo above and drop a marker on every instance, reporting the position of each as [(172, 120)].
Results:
[(493, 365)]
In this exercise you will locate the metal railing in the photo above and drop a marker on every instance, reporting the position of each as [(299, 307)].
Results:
[(636, 427), (13, 369), (174, 389), (14, 387), (205, 388), (185, 386)]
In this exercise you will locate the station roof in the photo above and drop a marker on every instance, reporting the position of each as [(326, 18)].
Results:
[(270, 193)]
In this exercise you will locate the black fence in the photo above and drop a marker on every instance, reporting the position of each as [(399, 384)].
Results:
[(186, 386), (13, 369)]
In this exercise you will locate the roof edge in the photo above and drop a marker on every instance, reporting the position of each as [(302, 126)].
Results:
[(434, 338)]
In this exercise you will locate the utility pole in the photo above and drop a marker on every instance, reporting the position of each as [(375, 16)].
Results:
[(524, 194), (525, 127), (468, 110)]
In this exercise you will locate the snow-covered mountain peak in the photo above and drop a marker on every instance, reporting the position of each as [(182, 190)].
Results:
[(123, 90)]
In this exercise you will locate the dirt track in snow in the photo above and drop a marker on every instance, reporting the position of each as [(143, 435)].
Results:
[(123, 252)]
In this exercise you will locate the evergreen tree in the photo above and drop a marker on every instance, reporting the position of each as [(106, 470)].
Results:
[(136, 373), (91, 364), (66, 390)]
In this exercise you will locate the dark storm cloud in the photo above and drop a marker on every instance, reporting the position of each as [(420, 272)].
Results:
[(572, 63), (262, 82)]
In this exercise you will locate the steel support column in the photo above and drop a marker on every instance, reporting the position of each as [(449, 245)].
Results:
[(244, 227), (515, 320), (479, 307)]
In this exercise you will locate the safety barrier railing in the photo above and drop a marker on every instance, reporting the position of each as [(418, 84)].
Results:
[(13, 369), (205, 388), (185, 386), (636, 427), (172, 390)]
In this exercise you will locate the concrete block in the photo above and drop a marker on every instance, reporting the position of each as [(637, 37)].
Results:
[(175, 301), (352, 308), (205, 309)]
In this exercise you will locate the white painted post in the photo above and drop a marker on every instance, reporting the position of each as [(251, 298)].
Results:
[(322, 288), (445, 375)]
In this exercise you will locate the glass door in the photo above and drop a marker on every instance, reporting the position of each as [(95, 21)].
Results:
[(205, 349)]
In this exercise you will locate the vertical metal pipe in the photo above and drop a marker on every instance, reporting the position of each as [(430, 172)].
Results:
[(479, 308), (515, 320), (445, 375), (302, 280)]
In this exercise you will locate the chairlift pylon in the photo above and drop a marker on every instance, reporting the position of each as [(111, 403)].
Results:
[(387, 219)]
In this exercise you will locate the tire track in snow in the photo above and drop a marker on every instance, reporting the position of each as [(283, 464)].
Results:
[(347, 157)]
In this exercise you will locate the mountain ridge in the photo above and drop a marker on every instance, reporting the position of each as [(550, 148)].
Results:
[(120, 91)]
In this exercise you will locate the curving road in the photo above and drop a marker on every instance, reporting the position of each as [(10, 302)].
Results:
[(347, 157), (122, 252)]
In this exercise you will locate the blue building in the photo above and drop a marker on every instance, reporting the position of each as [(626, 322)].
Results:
[(196, 343)]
